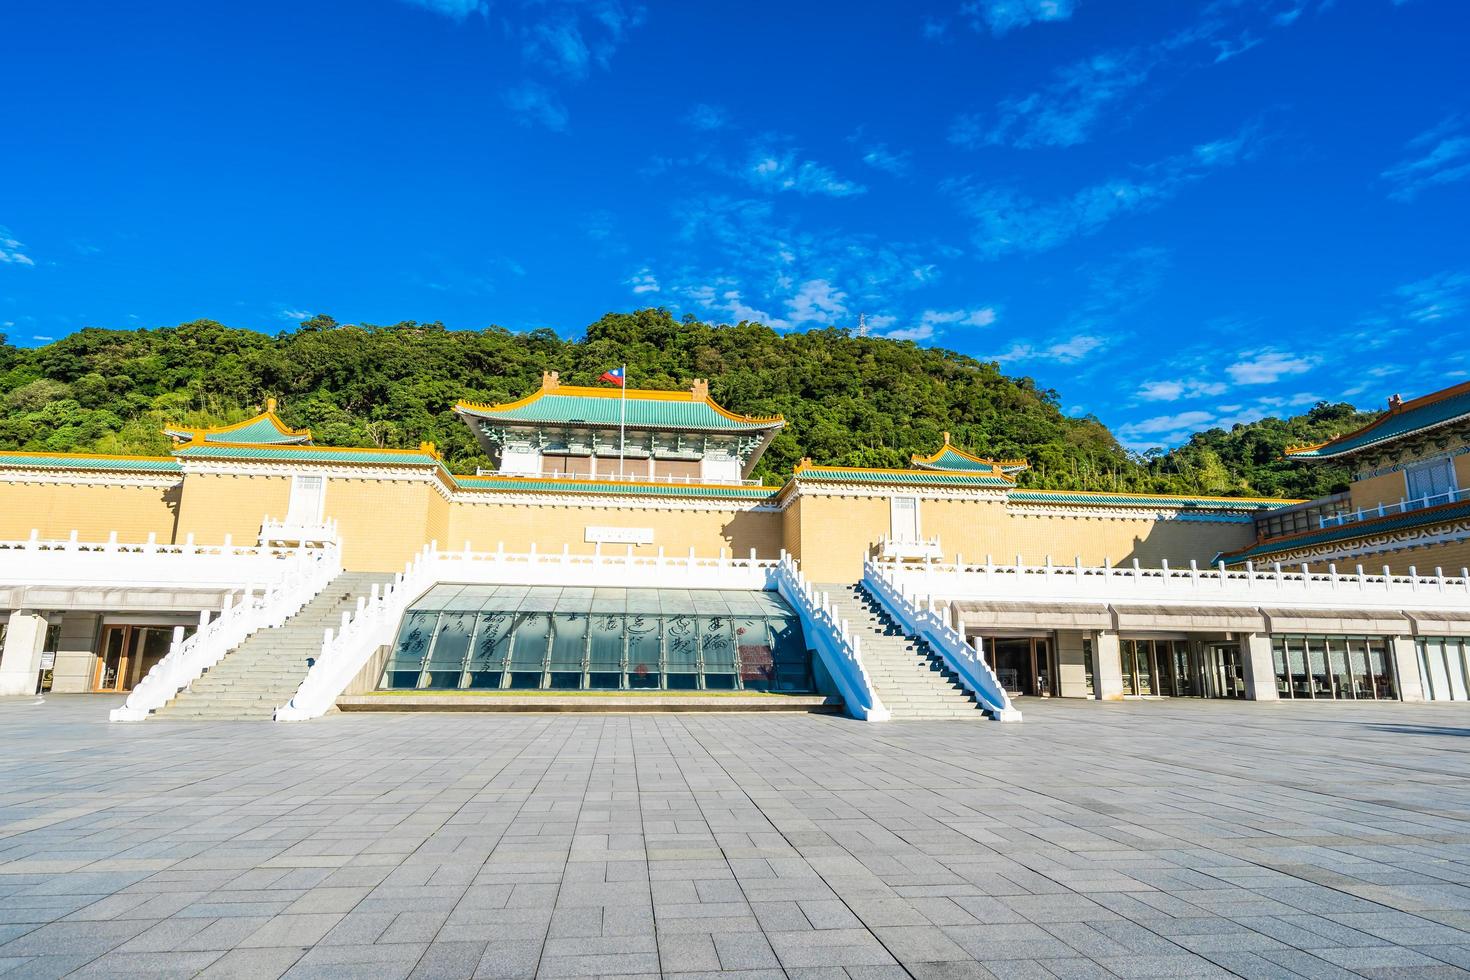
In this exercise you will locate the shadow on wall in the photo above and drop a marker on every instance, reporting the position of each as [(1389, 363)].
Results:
[(761, 531), (173, 499), (1180, 541)]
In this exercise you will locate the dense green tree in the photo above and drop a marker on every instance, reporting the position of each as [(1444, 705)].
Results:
[(848, 399)]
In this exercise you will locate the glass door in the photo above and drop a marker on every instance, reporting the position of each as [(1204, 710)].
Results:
[(112, 662)]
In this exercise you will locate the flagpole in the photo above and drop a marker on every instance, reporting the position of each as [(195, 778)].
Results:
[(622, 419)]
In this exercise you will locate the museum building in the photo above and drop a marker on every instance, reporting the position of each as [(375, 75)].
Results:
[(619, 547)]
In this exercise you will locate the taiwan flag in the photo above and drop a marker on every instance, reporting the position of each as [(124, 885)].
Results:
[(615, 376)]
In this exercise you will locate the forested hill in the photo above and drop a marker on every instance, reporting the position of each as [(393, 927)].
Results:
[(849, 400)]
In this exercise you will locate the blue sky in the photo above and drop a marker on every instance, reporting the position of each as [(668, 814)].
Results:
[(1178, 213)]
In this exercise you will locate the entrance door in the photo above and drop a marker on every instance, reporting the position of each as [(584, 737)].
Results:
[(1226, 670), (128, 653), (1023, 664)]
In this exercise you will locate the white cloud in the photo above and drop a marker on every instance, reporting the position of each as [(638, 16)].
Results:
[(817, 301), (879, 157), (10, 250), (1003, 16), (1183, 421), (295, 314), (707, 117), (570, 37), (1068, 351), (535, 104), (1170, 391), (922, 332), (1065, 112), (933, 28), (981, 317), (644, 281), (1440, 156), (782, 171), (1268, 366), (457, 9), (1008, 222), (1439, 297)]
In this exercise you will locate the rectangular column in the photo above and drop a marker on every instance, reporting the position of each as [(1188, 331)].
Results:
[(1108, 670), (1406, 662), (1071, 665), (76, 655), (20, 661), (1260, 668)]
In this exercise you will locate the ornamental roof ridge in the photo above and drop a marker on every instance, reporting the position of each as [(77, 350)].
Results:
[(813, 471), (425, 455), (1395, 423), (266, 424), (966, 461), (551, 387), (1040, 495), (1347, 532), (20, 459)]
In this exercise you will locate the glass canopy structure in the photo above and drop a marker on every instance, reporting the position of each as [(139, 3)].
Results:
[(473, 637)]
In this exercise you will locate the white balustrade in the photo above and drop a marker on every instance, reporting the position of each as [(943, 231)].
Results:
[(917, 616), (304, 573), (276, 530), (345, 652), (839, 649), (1387, 510), (1298, 586), (71, 562), (922, 549)]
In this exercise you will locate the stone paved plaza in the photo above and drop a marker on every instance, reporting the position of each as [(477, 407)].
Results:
[(1093, 840)]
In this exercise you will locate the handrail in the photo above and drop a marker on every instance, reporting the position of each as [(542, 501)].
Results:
[(285, 529), (188, 658), (710, 481), (1402, 507), (920, 619), (73, 544), (1248, 584), (834, 643)]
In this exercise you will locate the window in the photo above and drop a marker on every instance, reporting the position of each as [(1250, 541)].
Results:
[(1333, 667), (1430, 480)]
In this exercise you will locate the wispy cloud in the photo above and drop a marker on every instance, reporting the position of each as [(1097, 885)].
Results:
[(780, 170), (880, 157), (1175, 390), (933, 28), (1439, 297), (644, 281), (457, 9), (1065, 112), (10, 250), (1009, 222), (295, 314), (1268, 366), (570, 38), (816, 301), (535, 104), (1001, 17), (1068, 350), (1437, 156), (707, 118)]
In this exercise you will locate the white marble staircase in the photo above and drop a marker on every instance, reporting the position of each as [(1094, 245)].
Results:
[(264, 671), (912, 682)]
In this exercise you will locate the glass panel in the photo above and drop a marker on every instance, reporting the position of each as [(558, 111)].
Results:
[(606, 652), (407, 659), (1358, 665), (1283, 676), (757, 663), (1145, 667), (569, 642), (492, 644), (1317, 664), (643, 649), (1337, 659), (1296, 656), (447, 655), (1087, 663), (717, 644), (1378, 663), (1455, 666), (1163, 667), (528, 649), (792, 661), (1129, 652), (682, 655)]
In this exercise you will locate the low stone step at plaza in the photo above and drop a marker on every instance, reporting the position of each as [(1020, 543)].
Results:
[(604, 702), (911, 681), (263, 672)]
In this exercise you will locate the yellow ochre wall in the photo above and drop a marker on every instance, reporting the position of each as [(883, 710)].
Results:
[(94, 512), (487, 525), (216, 504), (384, 523), (1390, 488), (837, 532)]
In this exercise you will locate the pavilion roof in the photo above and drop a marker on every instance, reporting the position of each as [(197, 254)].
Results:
[(952, 458), (558, 404), (806, 472), (1431, 411), (265, 429)]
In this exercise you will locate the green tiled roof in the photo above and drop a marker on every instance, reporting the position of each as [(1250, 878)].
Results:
[(918, 478), (1346, 532), (307, 454), (62, 461), (642, 412), (530, 485), (950, 460), (1439, 408), (263, 430), (1127, 500)]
